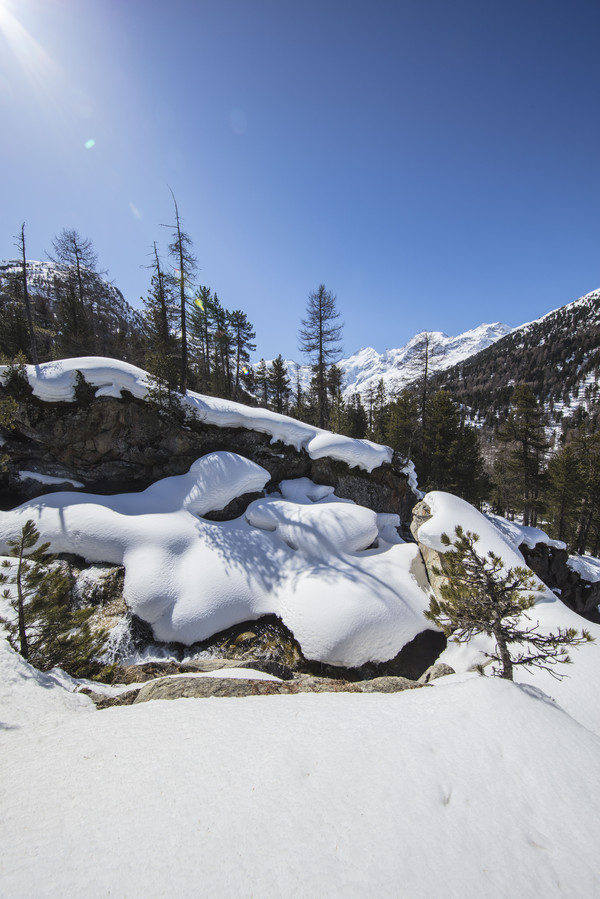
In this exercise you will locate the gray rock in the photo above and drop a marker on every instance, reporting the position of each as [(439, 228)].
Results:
[(440, 669), (387, 685)]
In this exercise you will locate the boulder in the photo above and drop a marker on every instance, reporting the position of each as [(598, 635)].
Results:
[(440, 669)]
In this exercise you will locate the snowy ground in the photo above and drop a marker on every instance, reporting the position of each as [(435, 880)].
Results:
[(472, 788), (469, 788)]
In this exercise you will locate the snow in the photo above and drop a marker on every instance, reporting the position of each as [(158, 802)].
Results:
[(334, 572), (399, 367), (577, 693), (519, 534), (54, 382), (586, 567), (473, 788), (48, 479)]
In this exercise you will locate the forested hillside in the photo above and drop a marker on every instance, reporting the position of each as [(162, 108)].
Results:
[(557, 356)]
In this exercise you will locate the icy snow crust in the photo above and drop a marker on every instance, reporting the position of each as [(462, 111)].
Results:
[(303, 555), (54, 382)]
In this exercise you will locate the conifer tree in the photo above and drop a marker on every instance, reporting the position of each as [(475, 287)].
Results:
[(279, 385), (161, 356), (45, 630), (480, 596), (26, 298), (564, 492), (180, 249), (524, 433), (356, 417), (262, 383), (402, 425), (242, 342), (201, 331), (319, 338), (77, 288)]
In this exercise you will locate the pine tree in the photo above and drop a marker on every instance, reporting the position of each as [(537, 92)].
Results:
[(319, 338), (402, 426), (356, 417), (262, 383), (380, 413), (587, 448), (480, 596), (45, 630), (564, 492), (161, 356), (279, 385), (524, 433), (242, 339), (222, 357), (201, 330)]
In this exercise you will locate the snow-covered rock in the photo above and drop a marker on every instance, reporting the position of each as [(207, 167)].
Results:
[(302, 556)]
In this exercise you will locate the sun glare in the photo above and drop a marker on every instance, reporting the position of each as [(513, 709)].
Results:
[(32, 59)]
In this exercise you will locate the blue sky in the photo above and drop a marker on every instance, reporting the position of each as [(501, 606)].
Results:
[(435, 164)]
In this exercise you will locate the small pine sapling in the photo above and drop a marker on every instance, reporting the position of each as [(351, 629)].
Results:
[(45, 630), (480, 596)]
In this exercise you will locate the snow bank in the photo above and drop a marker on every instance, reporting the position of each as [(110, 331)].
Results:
[(519, 534), (578, 690), (475, 789), (47, 478), (302, 556), (55, 382), (586, 567)]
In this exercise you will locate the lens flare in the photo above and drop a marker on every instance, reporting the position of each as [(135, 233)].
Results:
[(89, 143), (199, 303)]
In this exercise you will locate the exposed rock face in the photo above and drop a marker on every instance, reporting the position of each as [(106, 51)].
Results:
[(115, 445), (195, 687), (431, 557), (550, 565)]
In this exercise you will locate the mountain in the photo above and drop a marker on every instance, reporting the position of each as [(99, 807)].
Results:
[(364, 370), (557, 355), (115, 324)]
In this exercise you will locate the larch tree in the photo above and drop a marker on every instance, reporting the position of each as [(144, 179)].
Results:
[(180, 250), (77, 291), (320, 339), (25, 290), (160, 332)]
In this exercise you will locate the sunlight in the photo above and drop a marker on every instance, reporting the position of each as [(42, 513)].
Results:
[(33, 60)]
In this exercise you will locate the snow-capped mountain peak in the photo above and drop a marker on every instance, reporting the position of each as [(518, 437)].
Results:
[(398, 367)]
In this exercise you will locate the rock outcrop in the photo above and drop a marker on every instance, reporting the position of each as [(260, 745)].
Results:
[(113, 445), (550, 565)]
